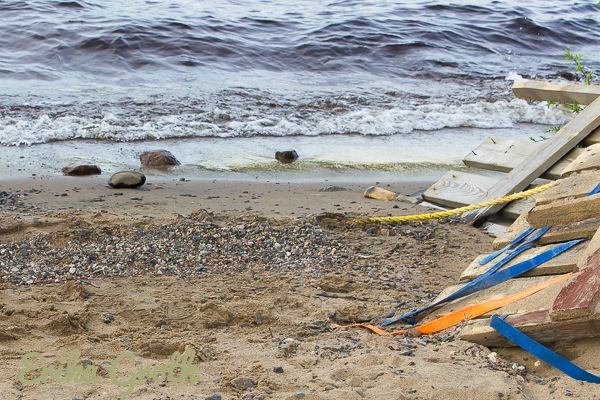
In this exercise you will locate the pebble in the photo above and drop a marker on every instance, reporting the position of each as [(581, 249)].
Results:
[(243, 383), (278, 370), (107, 318), (214, 396)]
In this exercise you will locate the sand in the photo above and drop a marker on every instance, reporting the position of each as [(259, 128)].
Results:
[(251, 312)]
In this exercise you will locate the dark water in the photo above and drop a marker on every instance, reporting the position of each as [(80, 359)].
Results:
[(140, 69), (49, 39)]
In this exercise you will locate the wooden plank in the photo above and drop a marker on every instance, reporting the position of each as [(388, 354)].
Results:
[(553, 150), (560, 92), (573, 187), (592, 138), (458, 188), (536, 301), (515, 209), (565, 211), (565, 262), (536, 324), (558, 233), (580, 296), (588, 160), (502, 154)]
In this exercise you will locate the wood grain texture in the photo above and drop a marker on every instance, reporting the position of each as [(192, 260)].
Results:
[(575, 186), (565, 262), (560, 92), (589, 159), (458, 188), (565, 211), (536, 324), (553, 150), (558, 233), (504, 154)]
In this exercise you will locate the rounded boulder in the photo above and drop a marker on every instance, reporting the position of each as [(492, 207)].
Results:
[(158, 159), (81, 169), (126, 179)]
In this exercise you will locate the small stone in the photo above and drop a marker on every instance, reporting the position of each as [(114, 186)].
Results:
[(127, 179), (278, 370), (214, 396), (158, 159), (492, 357), (286, 157), (72, 270), (299, 395), (81, 169), (107, 318), (243, 383)]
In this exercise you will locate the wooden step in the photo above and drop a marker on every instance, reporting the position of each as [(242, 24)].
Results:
[(573, 187), (558, 233), (588, 160), (553, 149), (565, 262), (536, 324), (559, 92), (499, 154), (462, 188)]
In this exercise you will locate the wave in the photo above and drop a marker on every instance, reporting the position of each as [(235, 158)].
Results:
[(18, 129)]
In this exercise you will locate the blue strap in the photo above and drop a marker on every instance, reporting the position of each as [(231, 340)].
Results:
[(488, 280), (595, 191), (541, 351), (509, 246)]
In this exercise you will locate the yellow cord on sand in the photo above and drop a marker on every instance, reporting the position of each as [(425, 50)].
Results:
[(456, 211)]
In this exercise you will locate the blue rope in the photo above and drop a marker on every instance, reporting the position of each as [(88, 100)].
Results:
[(541, 351), (488, 280), (509, 246)]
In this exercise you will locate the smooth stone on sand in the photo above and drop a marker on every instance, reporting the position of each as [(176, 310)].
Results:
[(286, 157), (81, 169), (126, 179), (158, 159), (377, 193)]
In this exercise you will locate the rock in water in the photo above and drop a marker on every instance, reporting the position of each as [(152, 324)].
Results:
[(81, 169), (126, 179), (159, 159), (286, 157)]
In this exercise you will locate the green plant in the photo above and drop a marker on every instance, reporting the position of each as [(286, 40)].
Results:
[(583, 73)]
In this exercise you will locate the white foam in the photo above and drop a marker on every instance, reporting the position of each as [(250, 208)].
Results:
[(365, 121)]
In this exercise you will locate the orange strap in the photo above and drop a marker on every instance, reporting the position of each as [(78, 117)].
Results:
[(465, 313)]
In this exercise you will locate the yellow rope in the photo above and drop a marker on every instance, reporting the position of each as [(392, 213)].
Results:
[(456, 211)]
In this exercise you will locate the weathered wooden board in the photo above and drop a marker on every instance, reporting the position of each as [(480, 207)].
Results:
[(574, 187), (565, 211), (588, 160), (560, 92), (558, 233), (458, 188), (515, 209), (579, 297), (536, 324), (565, 262), (504, 154), (592, 138), (507, 288), (461, 188), (565, 140)]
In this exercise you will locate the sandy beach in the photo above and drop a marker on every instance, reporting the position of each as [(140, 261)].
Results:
[(242, 274)]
